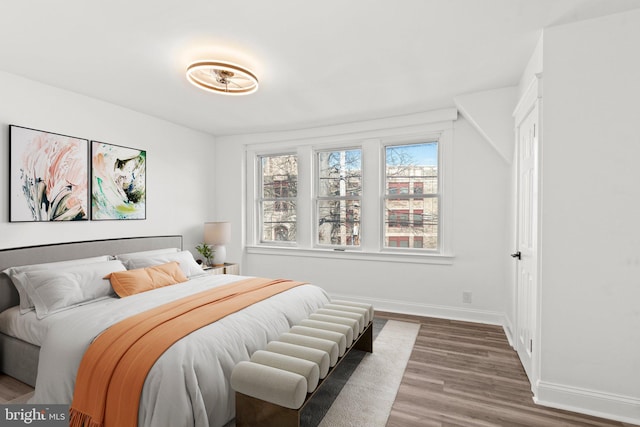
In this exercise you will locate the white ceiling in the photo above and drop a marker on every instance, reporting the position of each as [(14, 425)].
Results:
[(321, 62)]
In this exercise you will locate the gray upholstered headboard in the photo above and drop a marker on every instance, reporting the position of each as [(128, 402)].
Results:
[(73, 250)]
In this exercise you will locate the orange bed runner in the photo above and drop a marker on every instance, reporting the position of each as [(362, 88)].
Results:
[(113, 370)]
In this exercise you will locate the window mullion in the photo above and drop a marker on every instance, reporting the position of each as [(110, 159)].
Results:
[(304, 201), (370, 221)]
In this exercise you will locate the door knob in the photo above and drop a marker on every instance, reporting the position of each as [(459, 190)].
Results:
[(517, 255)]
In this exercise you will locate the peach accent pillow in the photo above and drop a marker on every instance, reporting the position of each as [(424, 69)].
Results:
[(131, 282)]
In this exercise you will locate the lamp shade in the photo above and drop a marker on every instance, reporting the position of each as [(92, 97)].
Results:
[(217, 233)]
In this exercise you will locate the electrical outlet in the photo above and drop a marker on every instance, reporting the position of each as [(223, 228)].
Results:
[(466, 297)]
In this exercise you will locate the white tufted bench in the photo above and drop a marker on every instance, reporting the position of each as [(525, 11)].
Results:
[(273, 387)]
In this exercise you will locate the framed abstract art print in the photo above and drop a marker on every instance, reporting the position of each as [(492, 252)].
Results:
[(118, 182), (48, 176)]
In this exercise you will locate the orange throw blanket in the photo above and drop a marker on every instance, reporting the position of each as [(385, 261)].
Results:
[(114, 368)]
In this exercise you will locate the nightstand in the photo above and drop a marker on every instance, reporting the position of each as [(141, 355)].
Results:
[(226, 268)]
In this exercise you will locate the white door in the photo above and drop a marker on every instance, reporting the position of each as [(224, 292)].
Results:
[(527, 131)]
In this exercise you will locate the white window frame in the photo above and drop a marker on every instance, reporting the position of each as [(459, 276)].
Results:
[(372, 143)]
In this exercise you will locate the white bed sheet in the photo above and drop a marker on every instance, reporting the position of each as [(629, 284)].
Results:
[(27, 327), (189, 384)]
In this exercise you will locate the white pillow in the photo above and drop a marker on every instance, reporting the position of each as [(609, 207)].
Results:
[(25, 302), (126, 257), (56, 290), (188, 265)]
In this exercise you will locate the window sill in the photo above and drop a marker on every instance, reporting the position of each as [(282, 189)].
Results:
[(401, 257)]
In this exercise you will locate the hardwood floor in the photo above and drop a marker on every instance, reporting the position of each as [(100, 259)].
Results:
[(459, 374), (13, 391), (467, 374)]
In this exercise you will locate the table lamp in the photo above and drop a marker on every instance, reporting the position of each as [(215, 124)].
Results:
[(217, 234)]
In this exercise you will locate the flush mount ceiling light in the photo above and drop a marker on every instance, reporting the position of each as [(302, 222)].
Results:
[(222, 77)]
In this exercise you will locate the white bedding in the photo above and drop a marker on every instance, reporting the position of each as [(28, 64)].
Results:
[(189, 384), (27, 327)]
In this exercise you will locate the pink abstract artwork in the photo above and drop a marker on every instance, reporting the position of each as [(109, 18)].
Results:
[(49, 176)]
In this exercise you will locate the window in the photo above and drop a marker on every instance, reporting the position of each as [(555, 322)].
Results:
[(399, 241), (417, 218), (357, 192), (398, 188), (338, 201), (411, 196), (399, 218), (277, 201)]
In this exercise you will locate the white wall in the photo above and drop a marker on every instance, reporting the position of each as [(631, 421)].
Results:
[(178, 176), (490, 113), (481, 179), (590, 242), (534, 66)]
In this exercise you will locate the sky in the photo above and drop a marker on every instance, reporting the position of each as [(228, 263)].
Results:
[(425, 154)]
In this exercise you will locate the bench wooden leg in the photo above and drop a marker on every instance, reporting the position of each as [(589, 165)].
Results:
[(365, 342)]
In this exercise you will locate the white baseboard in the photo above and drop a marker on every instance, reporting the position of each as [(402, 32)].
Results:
[(507, 326), (427, 310), (605, 405)]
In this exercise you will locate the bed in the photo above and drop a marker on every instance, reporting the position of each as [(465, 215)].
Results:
[(189, 383)]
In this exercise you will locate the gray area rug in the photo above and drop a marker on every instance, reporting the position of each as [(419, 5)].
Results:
[(316, 408), (367, 397)]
